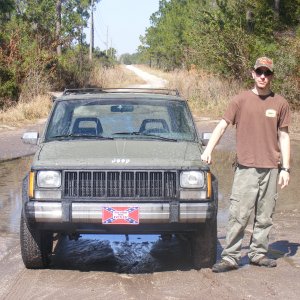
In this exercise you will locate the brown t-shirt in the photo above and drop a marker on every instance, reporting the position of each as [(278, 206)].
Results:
[(257, 120)]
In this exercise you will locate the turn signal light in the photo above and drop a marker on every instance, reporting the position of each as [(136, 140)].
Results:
[(31, 185), (209, 186)]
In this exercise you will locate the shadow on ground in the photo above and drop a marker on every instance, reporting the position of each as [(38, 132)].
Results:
[(148, 255)]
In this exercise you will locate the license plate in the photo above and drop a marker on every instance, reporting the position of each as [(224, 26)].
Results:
[(120, 215)]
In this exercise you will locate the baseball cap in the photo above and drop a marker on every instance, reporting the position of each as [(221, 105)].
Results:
[(264, 62)]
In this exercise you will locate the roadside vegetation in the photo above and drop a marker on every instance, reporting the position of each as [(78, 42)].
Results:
[(43, 48), (115, 77), (224, 38), (36, 104), (26, 112), (207, 47), (208, 95)]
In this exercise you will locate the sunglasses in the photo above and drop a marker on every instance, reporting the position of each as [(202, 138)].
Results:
[(259, 72)]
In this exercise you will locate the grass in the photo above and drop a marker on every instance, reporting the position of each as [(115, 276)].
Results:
[(25, 112), (115, 77), (207, 94)]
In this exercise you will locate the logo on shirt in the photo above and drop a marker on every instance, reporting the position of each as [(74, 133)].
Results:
[(271, 113)]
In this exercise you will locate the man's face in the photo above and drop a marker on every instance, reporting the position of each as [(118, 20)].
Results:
[(262, 77)]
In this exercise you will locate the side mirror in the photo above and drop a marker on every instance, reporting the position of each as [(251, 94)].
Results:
[(30, 138), (205, 136)]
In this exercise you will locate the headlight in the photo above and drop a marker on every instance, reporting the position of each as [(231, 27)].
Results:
[(192, 179), (49, 179)]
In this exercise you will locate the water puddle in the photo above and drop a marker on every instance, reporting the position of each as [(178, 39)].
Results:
[(11, 176), (222, 168)]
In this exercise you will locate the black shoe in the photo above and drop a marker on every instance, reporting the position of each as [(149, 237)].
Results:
[(265, 262), (224, 266)]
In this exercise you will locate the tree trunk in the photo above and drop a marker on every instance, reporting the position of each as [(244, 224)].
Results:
[(277, 6), (250, 20), (58, 26), (92, 32)]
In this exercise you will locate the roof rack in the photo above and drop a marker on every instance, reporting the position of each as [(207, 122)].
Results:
[(173, 92), (82, 91)]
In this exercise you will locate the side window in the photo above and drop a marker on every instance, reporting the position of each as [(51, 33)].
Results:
[(179, 119), (61, 120)]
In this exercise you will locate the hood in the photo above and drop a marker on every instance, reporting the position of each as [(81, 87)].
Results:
[(117, 153)]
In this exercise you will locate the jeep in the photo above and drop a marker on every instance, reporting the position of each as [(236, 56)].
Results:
[(118, 161)]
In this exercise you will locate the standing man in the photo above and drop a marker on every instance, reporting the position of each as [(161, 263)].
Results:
[(263, 151)]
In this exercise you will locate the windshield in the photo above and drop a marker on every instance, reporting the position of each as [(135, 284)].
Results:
[(112, 119)]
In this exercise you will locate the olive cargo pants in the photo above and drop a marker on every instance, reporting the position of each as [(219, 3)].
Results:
[(253, 189)]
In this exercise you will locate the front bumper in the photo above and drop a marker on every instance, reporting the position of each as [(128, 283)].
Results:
[(91, 212)]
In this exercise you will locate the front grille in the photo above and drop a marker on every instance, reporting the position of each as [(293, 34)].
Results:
[(120, 184)]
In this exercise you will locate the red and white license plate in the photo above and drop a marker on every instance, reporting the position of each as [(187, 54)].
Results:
[(120, 215)]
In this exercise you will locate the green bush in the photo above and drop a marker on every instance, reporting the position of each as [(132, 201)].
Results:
[(8, 88), (225, 37)]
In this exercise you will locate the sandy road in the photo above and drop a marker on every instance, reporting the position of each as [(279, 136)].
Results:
[(91, 269), (152, 81)]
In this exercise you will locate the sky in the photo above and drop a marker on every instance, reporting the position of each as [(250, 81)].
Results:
[(119, 23)]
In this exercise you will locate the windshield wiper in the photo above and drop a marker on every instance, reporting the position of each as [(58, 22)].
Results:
[(147, 134), (72, 135), (161, 137)]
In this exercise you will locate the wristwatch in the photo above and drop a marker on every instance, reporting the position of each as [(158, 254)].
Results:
[(285, 169)]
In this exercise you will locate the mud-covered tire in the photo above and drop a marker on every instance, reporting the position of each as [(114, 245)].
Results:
[(36, 245), (204, 245)]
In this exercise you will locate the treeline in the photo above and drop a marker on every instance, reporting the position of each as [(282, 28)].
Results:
[(43, 46), (225, 37), (129, 59)]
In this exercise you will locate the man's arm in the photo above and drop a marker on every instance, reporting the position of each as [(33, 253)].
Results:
[(285, 148), (213, 141)]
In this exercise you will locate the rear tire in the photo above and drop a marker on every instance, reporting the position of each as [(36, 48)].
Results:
[(204, 245), (36, 245)]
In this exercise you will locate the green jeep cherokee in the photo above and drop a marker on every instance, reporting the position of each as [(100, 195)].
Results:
[(121, 161)]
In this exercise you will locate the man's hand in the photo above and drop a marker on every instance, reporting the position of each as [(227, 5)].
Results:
[(214, 139), (285, 148), (283, 179), (205, 157)]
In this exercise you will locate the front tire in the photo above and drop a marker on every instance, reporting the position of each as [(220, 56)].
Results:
[(36, 245), (204, 245)]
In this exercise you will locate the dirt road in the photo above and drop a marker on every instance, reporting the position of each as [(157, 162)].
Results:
[(144, 267), (152, 81)]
